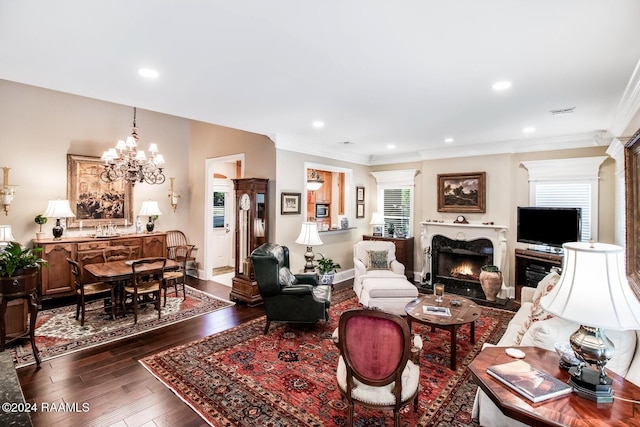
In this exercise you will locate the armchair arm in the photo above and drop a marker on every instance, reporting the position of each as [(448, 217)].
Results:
[(397, 267), (416, 348), (359, 267), (299, 289), (309, 279)]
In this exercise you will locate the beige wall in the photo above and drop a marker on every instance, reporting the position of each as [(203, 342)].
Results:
[(336, 245), (208, 141), (39, 127)]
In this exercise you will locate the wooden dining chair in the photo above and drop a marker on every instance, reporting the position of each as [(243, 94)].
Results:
[(146, 283), (177, 238), (177, 278), (86, 290)]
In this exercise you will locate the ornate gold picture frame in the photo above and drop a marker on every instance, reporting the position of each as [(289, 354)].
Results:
[(93, 200), (462, 192)]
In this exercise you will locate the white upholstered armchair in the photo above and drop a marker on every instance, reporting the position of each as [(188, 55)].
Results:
[(363, 266)]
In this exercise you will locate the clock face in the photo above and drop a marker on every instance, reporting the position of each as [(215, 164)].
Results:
[(461, 219), (245, 202)]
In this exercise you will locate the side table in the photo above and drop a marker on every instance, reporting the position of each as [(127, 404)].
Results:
[(569, 410), (25, 289)]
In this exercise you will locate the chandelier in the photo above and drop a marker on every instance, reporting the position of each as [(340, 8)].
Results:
[(126, 162)]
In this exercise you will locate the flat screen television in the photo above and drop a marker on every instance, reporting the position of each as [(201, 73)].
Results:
[(548, 226)]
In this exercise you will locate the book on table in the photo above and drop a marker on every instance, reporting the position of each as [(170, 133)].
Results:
[(437, 311), (530, 382)]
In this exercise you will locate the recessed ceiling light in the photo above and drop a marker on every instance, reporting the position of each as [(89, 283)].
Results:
[(391, 146), (448, 140), (148, 73), (501, 85), (528, 129), (318, 124)]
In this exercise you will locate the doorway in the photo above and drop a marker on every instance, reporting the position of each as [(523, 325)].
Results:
[(219, 217)]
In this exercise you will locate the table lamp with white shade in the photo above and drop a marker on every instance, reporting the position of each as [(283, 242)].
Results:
[(377, 220), (58, 209), (309, 237), (5, 236), (593, 291), (150, 208)]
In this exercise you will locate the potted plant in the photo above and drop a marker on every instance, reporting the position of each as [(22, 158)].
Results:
[(327, 270), (40, 220), (19, 268)]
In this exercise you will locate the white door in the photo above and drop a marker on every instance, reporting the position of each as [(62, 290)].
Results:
[(222, 225), (219, 218)]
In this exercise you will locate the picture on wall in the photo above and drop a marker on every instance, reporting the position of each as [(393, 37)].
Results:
[(360, 194), (290, 203), (461, 192), (360, 210), (92, 200)]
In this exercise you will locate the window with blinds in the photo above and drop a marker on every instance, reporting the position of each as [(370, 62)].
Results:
[(567, 195), (396, 208)]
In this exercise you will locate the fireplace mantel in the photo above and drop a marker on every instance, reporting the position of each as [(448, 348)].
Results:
[(497, 234)]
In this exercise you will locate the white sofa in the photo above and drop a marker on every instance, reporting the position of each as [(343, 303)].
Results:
[(532, 326)]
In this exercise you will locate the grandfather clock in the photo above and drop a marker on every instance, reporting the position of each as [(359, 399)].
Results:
[(252, 230)]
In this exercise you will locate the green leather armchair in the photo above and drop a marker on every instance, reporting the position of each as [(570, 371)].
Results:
[(288, 297)]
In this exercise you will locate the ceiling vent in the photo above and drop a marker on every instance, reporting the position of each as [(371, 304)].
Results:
[(562, 111)]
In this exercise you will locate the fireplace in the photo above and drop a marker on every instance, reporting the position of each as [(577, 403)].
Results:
[(457, 264), (454, 254)]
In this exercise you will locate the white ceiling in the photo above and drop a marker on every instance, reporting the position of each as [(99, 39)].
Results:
[(377, 72)]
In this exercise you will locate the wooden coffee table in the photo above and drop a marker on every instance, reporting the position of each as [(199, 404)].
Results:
[(569, 410), (466, 312)]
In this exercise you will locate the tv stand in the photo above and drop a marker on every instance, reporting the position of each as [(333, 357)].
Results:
[(532, 266)]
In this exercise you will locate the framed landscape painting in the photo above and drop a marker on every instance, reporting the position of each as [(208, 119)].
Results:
[(462, 192), (92, 200)]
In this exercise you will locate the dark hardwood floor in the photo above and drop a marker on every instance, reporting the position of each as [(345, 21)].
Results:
[(118, 390)]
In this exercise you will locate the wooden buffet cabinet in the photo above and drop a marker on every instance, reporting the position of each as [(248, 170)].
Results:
[(404, 251), (56, 280)]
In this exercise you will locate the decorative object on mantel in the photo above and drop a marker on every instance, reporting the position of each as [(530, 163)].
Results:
[(314, 182), (126, 162), (461, 220), (461, 192), (6, 191), (593, 289), (150, 208), (173, 195), (491, 281), (58, 209), (309, 237)]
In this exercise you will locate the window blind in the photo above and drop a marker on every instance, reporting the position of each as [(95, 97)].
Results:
[(567, 195)]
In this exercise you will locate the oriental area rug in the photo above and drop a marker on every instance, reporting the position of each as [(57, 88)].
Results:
[(58, 332), (241, 377)]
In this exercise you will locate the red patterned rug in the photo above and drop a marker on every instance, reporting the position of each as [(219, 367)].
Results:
[(239, 377), (59, 333)]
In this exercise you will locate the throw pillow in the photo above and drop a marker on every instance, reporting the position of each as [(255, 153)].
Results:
[(378, 260), (286, 277), (537, 312)]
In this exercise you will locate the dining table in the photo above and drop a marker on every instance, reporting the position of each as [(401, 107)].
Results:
[(119, 272)]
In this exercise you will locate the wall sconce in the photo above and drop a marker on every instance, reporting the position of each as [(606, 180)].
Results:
[(6, 191), (173, 195)]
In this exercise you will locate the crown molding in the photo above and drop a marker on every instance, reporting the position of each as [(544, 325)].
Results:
[(592, 139), (629, 104)]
